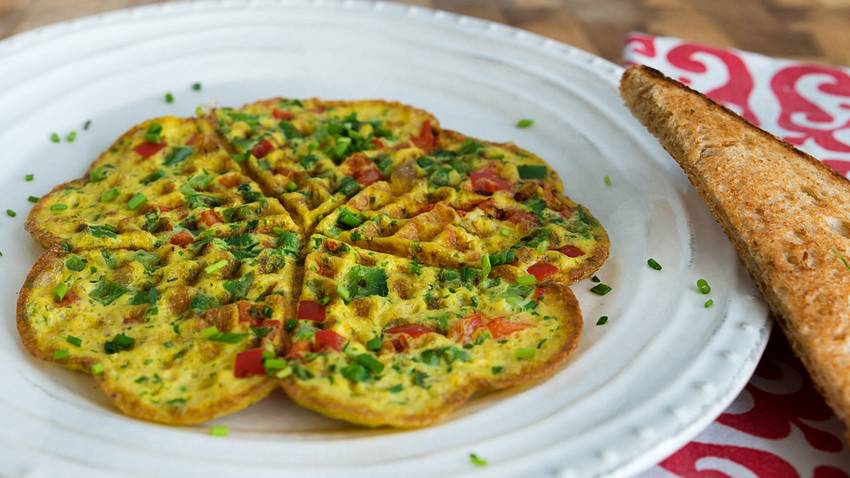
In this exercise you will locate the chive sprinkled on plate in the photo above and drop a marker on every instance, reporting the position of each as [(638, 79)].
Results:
[(703, 286), (11, 213), (708, 303), (525, 123), (595, 279), (29, 177), (33, 199), (601, 289), (71, 136), (602, 320), (169, 98), (477, 460), (87, 125), (219, 431), (607, 180), (54, 137), (196, 86), (653, 264)]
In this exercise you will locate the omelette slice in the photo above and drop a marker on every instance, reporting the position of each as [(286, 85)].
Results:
[(315, 154), (474, 204), (166, 179), (381, 340), (174, 335)]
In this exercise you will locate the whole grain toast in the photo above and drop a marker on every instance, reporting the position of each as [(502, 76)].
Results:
[(787, 214)]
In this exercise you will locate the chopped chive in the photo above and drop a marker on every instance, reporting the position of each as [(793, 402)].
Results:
[(153, 133), (60, 290), (505, 231), (55, 137), (291, 186), (97, 369), (169, 98), (842, 259), (61, 354), (523, 353), (601, 289), (486, 267), (196, 86), (703, 286), (87, 125), (653, 264), (58, 207), (11, 213), (75, 341), (602, 320), (136, 201), (215, 266), (595, 279), (525, 123), (29, 177), (33, 199), (274, 364), (109, 195), (526, 279), (607, 180), (477, 460), (209, 332), (708, 303), (71, 136), (219, 431)]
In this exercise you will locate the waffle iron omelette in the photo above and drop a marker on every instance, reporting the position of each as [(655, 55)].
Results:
[(378, 268)]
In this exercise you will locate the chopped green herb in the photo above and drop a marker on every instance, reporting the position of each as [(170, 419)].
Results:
[(71, 136), (374, 344), (601, 289), (362, 281), (109, 195), (61, 354), (214, 335), (169, 98), (87, 125), (107, 292), (60, 290), (525, 123), (136, 201), (29, 177), (75, 263), (523, 353), (607, 180), (11, 213), (349, 220), (271, 364), (55, 137), (370, 362), (215, 266), (529, 171), (708, 303), (239, 287), (653, 264), (595, 279), (104, 230), (75, 341), (477, 460), (842, 259), (196, 86), (602, 320), (201, 302), (355, 372), (526, 279), (396, 388), (219, 430), (97, 369), (58, 207), (119, 343), (152, 135), (177, 155), (703, 286), (154, 176), (33, 199)]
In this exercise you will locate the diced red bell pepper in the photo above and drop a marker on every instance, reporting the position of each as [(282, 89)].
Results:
[(413, 330), (486, 181), (368, 175), (249, 362), (542, 270), (464, 329), (280, 114), (210, 218), (311, 310), (182, 238), (425, 139), (571, 251), (262, 148), (328, 339), (146, 150), (502, 327)]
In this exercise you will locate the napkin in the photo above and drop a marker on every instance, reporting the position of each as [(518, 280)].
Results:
[(779, 426)]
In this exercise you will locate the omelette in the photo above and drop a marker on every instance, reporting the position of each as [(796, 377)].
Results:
[(377, 268)]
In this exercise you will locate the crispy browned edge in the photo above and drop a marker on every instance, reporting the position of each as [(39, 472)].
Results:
[(635, 82), (342, 410), (129, 404)]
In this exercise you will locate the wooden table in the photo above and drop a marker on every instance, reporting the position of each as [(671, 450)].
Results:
[(817, 30)]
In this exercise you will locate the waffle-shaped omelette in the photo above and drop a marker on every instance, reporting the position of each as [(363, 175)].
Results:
[(179, 274)]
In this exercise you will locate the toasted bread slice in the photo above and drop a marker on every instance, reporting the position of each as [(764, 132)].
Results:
[(787, 214)]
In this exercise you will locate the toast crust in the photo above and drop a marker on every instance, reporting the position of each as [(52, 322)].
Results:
[(786, 213)]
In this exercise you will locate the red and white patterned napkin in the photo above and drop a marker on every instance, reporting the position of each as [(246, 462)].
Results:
[(779, 426)]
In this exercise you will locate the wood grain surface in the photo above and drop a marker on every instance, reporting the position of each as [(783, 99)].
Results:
[(816, 30)]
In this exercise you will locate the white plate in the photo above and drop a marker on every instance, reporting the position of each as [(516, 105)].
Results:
[(637, 388)]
